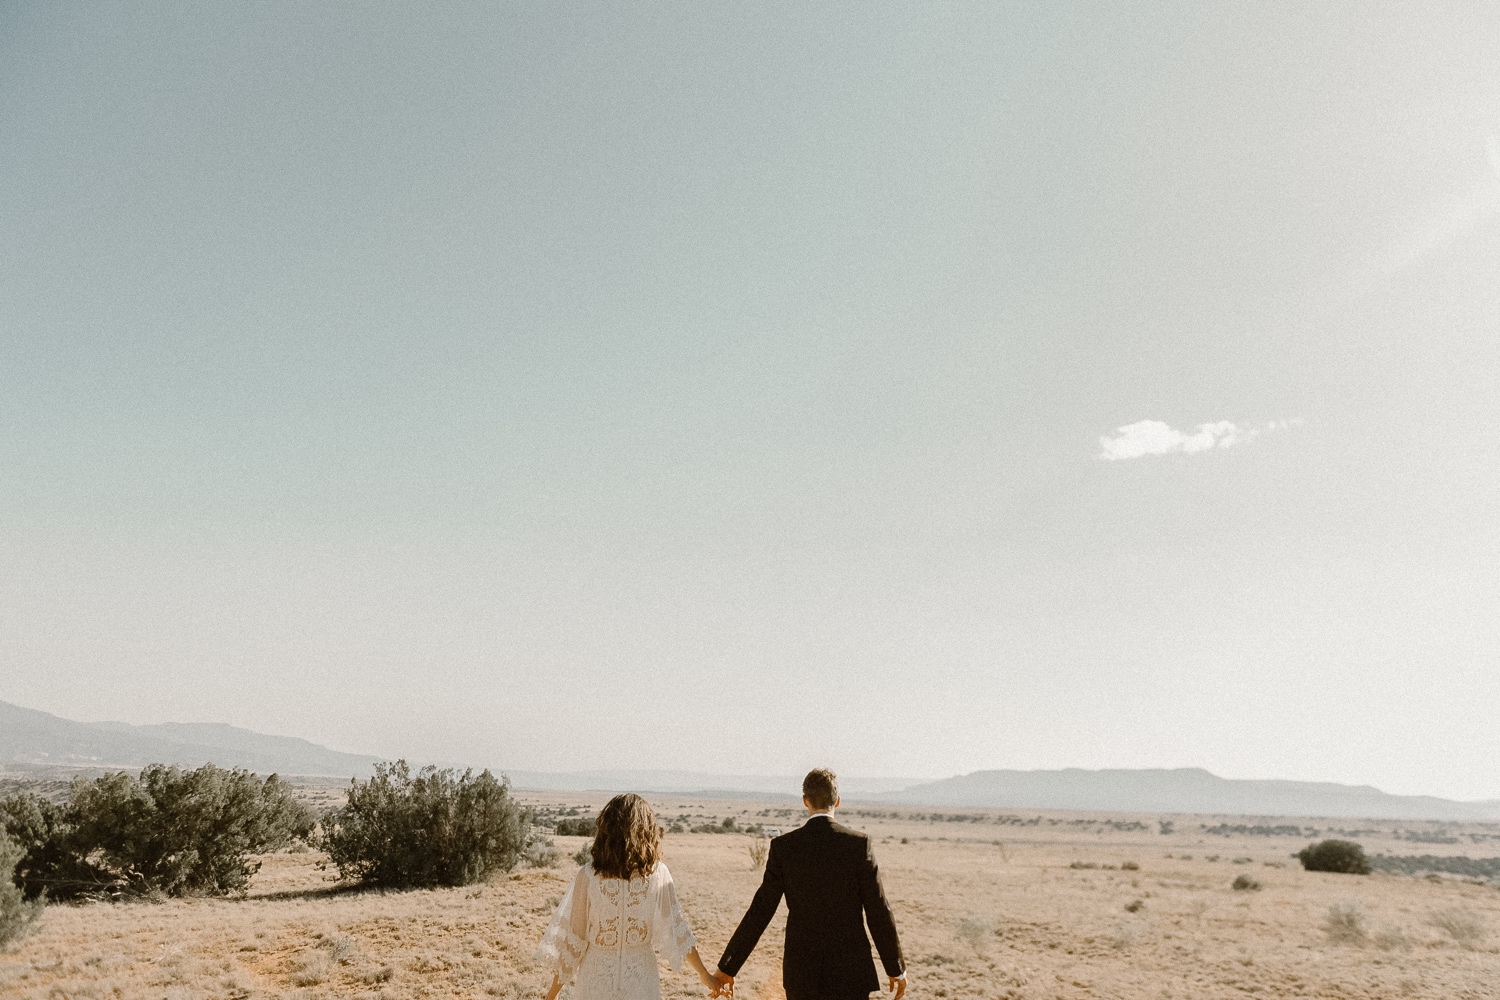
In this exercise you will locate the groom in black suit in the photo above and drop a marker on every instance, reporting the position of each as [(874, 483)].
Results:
[(832, 887)]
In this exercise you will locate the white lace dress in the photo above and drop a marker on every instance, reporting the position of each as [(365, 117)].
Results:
[(606, 929)]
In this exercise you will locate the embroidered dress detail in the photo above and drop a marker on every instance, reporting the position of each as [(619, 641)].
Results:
[(605, 931)]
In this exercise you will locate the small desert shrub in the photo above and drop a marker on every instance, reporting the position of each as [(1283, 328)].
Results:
[(313, 970), (758, 848), (435, 827), (1462, 926), (17, 914), (541, 852), (1245, 883), (974, 931), (169, 832), (376, 976), (1345, 924), (583, 827), (583, 855), (1335, 856), (1391, 938), (1129, 866), (1135, 906), (340, 949)]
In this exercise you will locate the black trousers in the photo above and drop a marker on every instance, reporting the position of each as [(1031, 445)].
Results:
[(797, 994)]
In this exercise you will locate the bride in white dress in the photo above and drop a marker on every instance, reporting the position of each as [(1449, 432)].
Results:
[(619, 910)]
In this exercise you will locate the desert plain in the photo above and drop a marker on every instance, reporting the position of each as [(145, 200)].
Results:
[(991, 903)]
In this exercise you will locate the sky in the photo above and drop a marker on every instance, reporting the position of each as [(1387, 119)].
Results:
[(911, 389)]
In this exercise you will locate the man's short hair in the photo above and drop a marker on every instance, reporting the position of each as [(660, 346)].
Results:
[(821, 788)]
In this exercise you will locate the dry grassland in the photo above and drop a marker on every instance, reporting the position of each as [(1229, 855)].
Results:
[(985, 909)]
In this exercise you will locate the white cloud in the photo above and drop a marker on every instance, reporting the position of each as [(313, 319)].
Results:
[(1153, 437)]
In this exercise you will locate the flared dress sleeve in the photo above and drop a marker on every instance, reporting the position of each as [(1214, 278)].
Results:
[(669, 927), (567, 938)]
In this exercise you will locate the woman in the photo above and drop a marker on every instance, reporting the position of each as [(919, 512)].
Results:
[(621, 906)]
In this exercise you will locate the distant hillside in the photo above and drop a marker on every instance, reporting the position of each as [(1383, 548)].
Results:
[(1181, 790), (692, 783), (32, 741), (42, 745)]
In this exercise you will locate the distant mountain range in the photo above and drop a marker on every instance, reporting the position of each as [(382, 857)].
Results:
[(1180, 790), (36, 742), (32, 741), (760, 786)]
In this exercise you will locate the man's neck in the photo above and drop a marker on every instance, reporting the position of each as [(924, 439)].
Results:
[(820, 812)]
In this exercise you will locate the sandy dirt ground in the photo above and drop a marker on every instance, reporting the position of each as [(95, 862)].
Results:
[(990, 904)]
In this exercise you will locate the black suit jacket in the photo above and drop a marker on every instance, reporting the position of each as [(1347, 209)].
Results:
[(832, 886)]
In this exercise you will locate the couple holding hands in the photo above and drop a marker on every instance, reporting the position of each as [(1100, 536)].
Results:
[(622, 907)]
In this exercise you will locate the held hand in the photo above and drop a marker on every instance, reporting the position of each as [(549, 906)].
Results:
[(723, 984), (897, 986)]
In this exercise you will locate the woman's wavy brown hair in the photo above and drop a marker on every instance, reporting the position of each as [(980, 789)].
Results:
[(628, 841)]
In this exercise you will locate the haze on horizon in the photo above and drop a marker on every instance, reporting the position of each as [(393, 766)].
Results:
[(933, 389)]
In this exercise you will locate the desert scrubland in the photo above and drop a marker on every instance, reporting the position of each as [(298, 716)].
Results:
[(990, 903)]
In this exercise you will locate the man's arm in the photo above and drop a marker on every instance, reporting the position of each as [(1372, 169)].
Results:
[(753, 924), (878, 916)]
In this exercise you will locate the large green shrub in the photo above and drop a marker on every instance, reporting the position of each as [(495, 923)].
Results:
[(52, 861), (435, 827), (17, 914), (169, 832), (584, 826), (1335, 856)]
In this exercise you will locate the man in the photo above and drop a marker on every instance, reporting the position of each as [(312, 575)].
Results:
[(832, 887)]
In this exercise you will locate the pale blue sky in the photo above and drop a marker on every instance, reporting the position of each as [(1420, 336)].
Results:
[(559, 388)]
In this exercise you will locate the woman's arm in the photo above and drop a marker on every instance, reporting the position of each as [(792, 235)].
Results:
[(564, 944), (703, 974)]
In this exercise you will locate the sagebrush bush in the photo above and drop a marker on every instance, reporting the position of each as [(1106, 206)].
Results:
[(1335, 856), (541, 852), (586, 826), (1391, 938), (1245, 883), (1345, 923), (435, 827), (17, 914), (169, 832), (1463, 926), (975, 932)]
